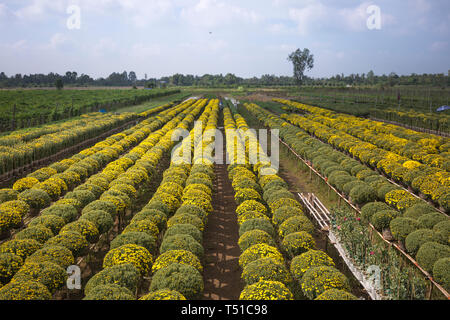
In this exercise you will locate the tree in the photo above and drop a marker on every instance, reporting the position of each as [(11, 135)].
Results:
[(59, 84), (302, 61), (132, 77)]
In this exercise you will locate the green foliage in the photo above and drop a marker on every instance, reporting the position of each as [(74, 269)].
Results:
[(164, 294), (302, 60), (71, 240), (349, 186), (282, 214), (297, 243), (56, 254), (193, 210), (382, 219), (317, 280), (48, 273), (428, 221), (335, 294), (295, 224), (431, 252), (418, 210), (253, 237), (109, 292), (39, 233), (83, 227), (186, 219), (9, 265), (101, 219), (257, 224), (441, 272), (402, 227), (8, 195), (385, 189), (182, 242), (187, 229), (25, 290), (266, 269), (138, 238), (362, 194), (417, 238), (310, 259), (22, 248), (158, 205), (65, 211), (442, 231), (52, 222), (368, 210), (179, 277), (283, 193), (35, 198), (124, 275)]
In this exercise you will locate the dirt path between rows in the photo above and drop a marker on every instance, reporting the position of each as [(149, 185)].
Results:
[(222, 274)]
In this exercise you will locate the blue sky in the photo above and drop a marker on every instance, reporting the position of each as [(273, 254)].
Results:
[(247, 37)]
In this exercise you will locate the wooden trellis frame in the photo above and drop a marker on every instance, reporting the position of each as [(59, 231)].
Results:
[(396, 246)]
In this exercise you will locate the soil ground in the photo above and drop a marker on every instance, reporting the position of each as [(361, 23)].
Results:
[(222, 274)]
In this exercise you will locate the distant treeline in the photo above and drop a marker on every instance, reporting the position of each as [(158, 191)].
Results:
[(229, 80)]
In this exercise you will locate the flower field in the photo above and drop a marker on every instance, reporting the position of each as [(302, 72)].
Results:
[(46, 185), (416, 160), (28, 108), (127, 218), (279, 257), (22, 147), (416, 225)]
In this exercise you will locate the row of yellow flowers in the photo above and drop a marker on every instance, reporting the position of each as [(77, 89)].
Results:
[(425, 142), (269, 214), (426, 148), (47, 184), (22, 152), (58, 231), (178, 210), (432, 182), (415, 224)]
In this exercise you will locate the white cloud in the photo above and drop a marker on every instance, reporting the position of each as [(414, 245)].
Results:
[(57, 40), (422, 6), (307, 16), (212, 13), (315, 15), (20, 45), (284, 48), (201, 47), (438, 46), (340, 55), (278, 29), (142, 51), (3, 9), (354, 18), (39, 9), (103, 47), (145, 12)]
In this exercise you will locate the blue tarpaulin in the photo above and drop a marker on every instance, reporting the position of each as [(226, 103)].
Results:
[(102, 110), (443, 108)]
